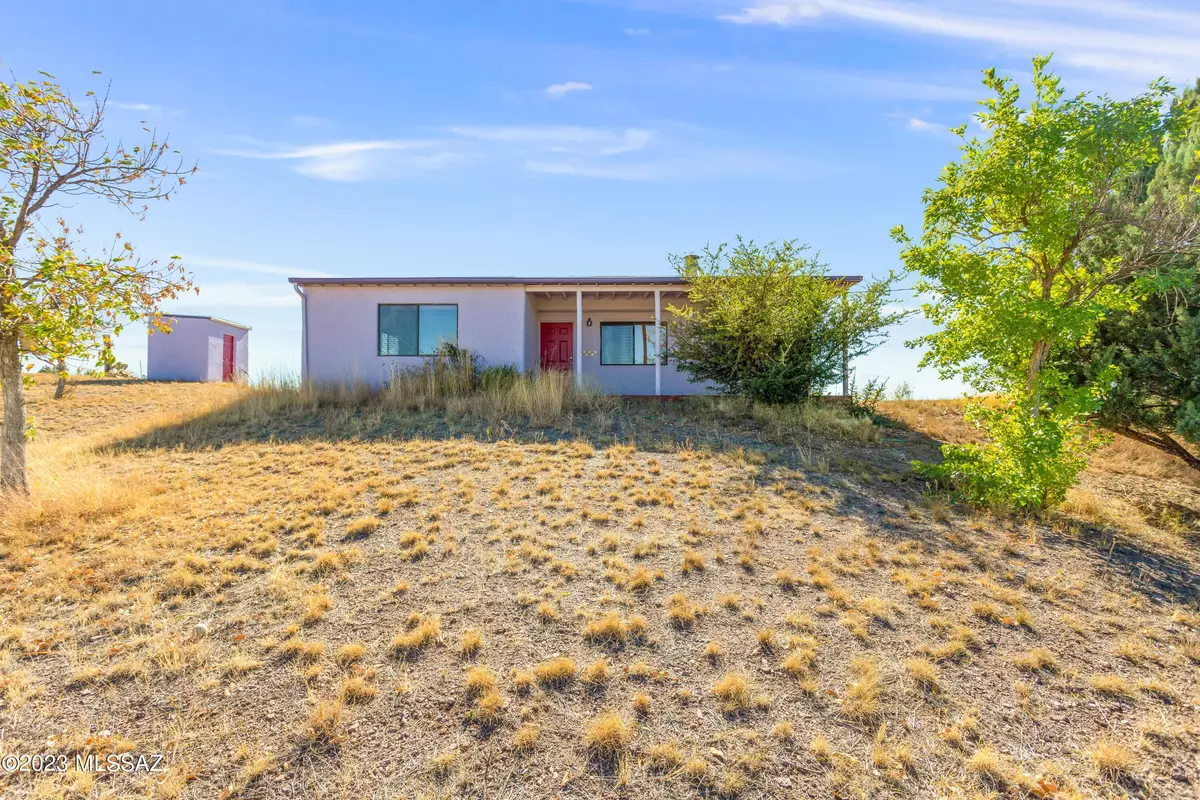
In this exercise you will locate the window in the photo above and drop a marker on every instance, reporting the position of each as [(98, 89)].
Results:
[(629, 343), (416, 330)]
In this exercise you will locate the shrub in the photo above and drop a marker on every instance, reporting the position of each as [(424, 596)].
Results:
[(770, 323), (1029, 461)]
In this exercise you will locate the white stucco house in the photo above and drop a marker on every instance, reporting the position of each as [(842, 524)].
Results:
[(198, 348), (605, 330)]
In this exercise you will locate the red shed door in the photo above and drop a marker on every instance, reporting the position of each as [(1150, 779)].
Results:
[(227, 359), (557, 345)]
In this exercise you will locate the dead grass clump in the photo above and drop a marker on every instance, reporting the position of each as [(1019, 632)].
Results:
[(800, 660), (239, 664), (608, 628), (924, 673), (294, 647), (990, 766), (608, 736), (480, 680), (861, 701), (787, 580), (182, 581), (357, 689), (556, 672), (681, 611), (642, 579), (693, 561), (1111, 760), (1112, 685), (423, 632), (1039, 659), (363, 526), (596, 674), (525, 738), (472, 641), (323, 728), (733, 693), (349, 654), (489, 709), (663, 757)]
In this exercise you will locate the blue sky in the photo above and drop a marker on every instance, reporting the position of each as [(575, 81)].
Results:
[(548, 137)]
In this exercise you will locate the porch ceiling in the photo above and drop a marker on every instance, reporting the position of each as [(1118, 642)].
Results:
[(636, 293)]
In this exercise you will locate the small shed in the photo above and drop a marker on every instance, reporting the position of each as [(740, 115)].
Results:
[(198, 349)]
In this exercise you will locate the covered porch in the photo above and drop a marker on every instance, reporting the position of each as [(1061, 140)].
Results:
[(607, 335)]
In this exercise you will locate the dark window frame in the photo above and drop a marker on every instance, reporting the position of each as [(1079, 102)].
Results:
[(379, 327), (663, 357)]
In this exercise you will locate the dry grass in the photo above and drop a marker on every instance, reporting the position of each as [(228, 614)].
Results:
[(1111, 760), (556, 672), (608, 735), (671, 600), (733, 693)]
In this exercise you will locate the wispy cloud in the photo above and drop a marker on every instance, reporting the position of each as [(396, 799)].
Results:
[(925, 126), (627, 154), (557, 90), (147, 108), (357, 160), (637, 31), (1148, 38), (773, 14)]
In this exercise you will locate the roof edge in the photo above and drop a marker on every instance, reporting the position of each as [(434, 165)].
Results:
[(208, 317), (666, 280)]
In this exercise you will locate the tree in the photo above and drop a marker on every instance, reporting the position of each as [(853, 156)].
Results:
[(1156, 399), (769, 322), (1004, 257), (54, 299)]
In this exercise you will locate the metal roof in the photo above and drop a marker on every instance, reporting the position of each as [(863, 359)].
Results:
[(600, 280), (205, 316)]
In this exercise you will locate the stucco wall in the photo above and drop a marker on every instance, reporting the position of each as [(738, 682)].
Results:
[(343, 333), (182, 354), (193, 351)]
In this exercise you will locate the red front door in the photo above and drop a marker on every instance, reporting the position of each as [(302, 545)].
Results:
[(227, 359), (557, 345)]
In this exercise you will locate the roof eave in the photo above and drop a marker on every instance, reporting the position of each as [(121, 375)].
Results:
[(576, 281)]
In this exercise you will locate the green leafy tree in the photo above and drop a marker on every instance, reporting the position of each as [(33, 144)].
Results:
[(1156, 348), (1003, 255), (56, 301), (770, 323)]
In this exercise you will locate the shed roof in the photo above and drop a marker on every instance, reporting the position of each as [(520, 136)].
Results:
[(211, 319)]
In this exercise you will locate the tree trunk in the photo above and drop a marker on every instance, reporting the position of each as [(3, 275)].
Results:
[(60, 388), (1041, 351), (1163, 442), (13, 477)]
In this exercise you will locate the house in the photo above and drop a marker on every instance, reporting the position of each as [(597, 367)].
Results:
[(604, 330), (198, 349)]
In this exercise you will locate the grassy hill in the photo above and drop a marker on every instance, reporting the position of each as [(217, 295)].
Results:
[(296, 596)]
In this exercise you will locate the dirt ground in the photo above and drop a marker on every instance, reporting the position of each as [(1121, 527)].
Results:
[(649, 602)]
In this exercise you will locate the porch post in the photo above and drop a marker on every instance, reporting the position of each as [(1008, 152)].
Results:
[(579, 338), (657, 343)]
